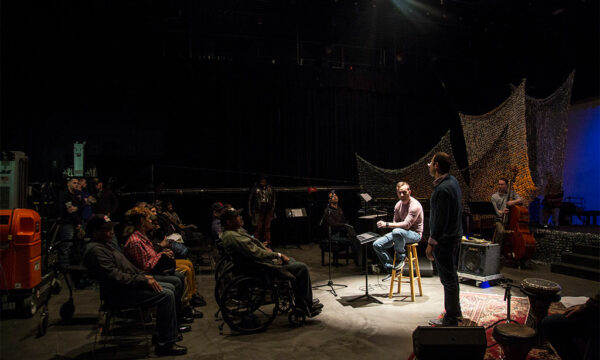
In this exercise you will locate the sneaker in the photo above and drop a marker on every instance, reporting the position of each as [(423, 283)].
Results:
[(399, 266), (197, 300), (387, 277)]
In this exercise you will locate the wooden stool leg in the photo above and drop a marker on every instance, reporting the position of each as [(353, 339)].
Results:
[(392, 279), (400, 279), (418, 270), (412, 275)]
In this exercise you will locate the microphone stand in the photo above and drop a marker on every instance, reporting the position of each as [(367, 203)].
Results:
[(330, 283)]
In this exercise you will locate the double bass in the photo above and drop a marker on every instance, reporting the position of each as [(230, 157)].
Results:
[(519, 243)]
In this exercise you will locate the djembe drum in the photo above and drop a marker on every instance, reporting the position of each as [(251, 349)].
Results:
[(541, 294), (516, 340)]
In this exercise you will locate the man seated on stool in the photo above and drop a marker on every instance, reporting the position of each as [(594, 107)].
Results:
[(124, 284), (341, 231), (237, 241), (407, 229)]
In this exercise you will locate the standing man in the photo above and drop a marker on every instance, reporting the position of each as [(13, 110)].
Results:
[(445, 224), (261, 207), (70, 205), (503, 207), (407, 228)]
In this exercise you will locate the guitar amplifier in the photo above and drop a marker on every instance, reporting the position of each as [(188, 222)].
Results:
[(479, 259)]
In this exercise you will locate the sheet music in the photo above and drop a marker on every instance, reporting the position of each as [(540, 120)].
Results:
[(297, 213), (367, 237), (375, 216), (366, 197)]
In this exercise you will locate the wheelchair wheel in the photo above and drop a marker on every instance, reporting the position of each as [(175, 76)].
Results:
[(248, 305), (222, 281), (221, 264), (297, 317), (286, 299)]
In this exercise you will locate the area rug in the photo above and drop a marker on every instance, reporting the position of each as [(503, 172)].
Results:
[(485, 309)]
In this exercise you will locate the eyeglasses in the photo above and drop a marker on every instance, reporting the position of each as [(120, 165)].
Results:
[(403, 192)]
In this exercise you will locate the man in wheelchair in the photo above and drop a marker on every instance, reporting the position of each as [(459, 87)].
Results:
[(239, 243)]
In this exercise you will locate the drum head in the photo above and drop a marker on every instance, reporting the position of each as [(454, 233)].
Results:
[(540, 286)]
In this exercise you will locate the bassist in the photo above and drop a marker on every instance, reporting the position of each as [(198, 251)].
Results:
[(502, 204)]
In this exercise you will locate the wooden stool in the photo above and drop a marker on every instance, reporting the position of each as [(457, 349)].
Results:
[(413, 264)]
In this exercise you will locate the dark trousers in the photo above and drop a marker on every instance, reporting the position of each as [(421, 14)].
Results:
[(569, 335), (165, 302), (302, 284), (446, 258), (263, 227)]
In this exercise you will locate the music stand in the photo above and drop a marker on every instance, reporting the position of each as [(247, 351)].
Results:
[(330, 282), (365, 198), (298, 213), (366, 239), (481, 208)]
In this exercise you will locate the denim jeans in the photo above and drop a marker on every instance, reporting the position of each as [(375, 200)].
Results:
[(67, 236), (398, 238), (176, 281), (446, 258)]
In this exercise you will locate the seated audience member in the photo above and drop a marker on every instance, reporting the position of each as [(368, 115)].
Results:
[(579, 322), (407, 228), (170, 212), (164, 240), (124, 284), (140, 251), (238, 242), (341, 231), (216, 227)]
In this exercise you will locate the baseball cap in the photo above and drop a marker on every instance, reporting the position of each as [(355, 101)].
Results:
[(99, 222), (229, 214), (218, 206)]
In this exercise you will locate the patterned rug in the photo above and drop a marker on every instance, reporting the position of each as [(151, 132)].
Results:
[(484, 310)]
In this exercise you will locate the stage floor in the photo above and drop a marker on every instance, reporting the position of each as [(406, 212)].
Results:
[(342, 331)]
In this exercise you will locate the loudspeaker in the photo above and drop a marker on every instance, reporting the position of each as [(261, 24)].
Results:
[(479, 259), (443, 342)]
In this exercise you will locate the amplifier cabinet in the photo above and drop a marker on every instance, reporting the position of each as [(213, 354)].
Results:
[(479, 259)]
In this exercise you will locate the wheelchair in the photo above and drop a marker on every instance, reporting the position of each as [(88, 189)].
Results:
[(250, 295)]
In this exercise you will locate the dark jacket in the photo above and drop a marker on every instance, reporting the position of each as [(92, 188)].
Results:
[(445, 216), (75, 200), (112, 269), (335, 218)]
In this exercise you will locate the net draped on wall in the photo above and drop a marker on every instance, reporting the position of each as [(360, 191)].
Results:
[(547, 134), (505, 127), (381, 183), (523, 134)]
